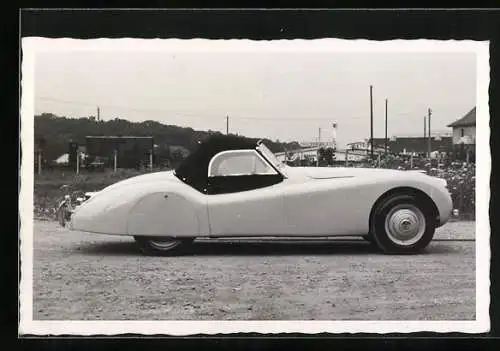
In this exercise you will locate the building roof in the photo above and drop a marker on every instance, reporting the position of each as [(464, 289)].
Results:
[(468, 120), (117, 137)]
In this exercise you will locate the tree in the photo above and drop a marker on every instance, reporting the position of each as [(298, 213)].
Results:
[(57, 131), (326, 156)]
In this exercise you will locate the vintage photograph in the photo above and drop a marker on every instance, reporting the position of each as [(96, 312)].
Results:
[(238, 181)]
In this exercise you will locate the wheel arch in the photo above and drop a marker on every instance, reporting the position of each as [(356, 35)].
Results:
[(404, 190), (152, 216)]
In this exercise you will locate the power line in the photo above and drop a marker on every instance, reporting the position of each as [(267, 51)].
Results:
[(429, 140), (195, 115), (289, 118), (182, 114), (385, 141), (123, 108)]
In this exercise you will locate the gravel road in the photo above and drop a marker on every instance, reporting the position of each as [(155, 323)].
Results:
[(80, 276)]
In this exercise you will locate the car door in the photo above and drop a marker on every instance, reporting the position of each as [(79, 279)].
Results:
[(245, 196), (326, 207)]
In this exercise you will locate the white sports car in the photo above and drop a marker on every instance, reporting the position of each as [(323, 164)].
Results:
[(233, 188)]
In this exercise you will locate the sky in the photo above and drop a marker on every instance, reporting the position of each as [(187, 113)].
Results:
[(277, 95)]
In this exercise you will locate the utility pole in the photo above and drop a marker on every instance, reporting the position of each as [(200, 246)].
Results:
[(429, 112), (151, 160), (385, 126), (319, 146), (227, 124), (98, 113), (371, 121), (425, 127)]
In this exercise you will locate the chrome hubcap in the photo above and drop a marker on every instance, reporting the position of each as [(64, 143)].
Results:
[(405, 224), (166, 244)]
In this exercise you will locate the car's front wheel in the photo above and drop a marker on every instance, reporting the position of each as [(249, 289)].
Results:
[(403, 224), (161, 246)]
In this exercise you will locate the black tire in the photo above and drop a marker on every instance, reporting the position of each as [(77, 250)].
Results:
[(403, 224), (369, 238), (162, 246)]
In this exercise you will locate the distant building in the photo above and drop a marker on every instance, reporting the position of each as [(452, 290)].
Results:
[(315, 144), (464, 129), (325, 141), (312, 154), (464, 135), (415, 145), (363, 147)]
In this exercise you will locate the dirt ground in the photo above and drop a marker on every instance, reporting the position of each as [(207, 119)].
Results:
[(79, 276)]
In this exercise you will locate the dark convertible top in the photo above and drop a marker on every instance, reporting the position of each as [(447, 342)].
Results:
[(194, 169)]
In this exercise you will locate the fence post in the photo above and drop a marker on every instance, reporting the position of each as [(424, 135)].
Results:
[(346, 156), (115, 161), (151, 160), (379, 160), (77, 162), (411, 161), (461, 201)]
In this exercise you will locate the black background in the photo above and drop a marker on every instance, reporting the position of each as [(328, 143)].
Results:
[(267, 25)]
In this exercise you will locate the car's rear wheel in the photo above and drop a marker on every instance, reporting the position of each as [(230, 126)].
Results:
[(403, 224), (371, 240), (161, 246)]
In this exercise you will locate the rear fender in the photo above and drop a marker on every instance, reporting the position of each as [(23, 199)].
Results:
[(163, 214)]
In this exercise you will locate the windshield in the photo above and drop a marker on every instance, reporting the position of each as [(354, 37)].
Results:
[(268, 154)]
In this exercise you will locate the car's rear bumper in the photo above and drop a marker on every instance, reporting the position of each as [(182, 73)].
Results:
[(445, 208)]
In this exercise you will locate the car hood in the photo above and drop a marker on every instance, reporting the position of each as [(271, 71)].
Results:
[(338, 172)]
